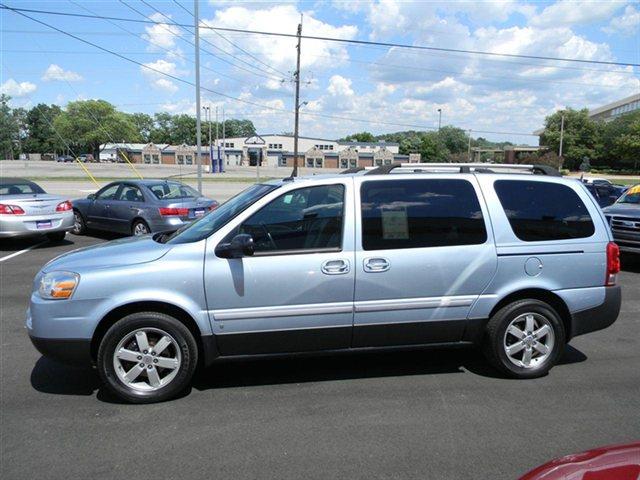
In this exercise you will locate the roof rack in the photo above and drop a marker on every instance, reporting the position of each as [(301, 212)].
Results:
[(352, 170), (464, 168)]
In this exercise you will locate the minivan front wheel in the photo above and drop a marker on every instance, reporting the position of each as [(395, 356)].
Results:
[(147, 357), (525, 339)]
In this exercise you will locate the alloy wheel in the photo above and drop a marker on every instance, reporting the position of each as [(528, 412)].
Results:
[(529, 340), (140, 229), (147, 359)]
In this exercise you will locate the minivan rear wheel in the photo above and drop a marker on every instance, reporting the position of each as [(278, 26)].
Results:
[(524, 339), (147, 357)]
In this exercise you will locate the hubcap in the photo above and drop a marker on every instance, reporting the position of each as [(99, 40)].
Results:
[(147, 359), (140, 229), (77, 222), (529, 340)]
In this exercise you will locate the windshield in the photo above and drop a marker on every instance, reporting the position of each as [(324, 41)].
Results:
[(214, 220), (172, 190), (20, 188), (631, 196)]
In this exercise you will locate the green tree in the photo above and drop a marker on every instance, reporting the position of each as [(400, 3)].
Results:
[(360, 137), (163, 124), (42, 138), (581, 136), (144, 126), (89, 123), (619, 147), (433, 149), (454, 139), (183, 130), (9, 129)]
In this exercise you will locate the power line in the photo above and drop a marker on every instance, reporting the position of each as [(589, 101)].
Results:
[(164, 26), (338, 40), (271, 67), (248, 102)]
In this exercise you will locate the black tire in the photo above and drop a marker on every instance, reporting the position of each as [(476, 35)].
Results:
[(56, 236), (139, 225), (494, 340), (147, 320), (79, 226)]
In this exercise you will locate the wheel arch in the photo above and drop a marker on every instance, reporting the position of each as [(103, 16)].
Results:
[(139, 218), (543, 295), (145, 306)]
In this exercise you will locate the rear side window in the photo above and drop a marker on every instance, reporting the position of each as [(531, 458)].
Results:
[(539, 211), (420, 213)]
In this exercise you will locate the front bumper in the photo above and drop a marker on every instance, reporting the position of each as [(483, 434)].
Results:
[(600, 317), (25, 225), (72, 352)]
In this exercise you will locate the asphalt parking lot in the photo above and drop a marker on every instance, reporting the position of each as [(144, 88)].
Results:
[(441, 414)]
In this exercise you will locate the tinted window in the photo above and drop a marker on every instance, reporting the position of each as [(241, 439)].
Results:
[(172, 190), (129, 193), (543, 210), (108, 192), (219, 217), (420, 213), (20, 188), (304, 219)]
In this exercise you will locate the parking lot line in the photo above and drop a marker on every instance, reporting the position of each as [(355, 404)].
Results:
[(15, 254)]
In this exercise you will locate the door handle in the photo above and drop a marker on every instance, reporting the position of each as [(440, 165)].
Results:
[(335, 267), (375, 265)]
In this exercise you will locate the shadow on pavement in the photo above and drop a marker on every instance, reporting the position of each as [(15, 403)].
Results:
[(10, 245), (51, 377), (630, 262)]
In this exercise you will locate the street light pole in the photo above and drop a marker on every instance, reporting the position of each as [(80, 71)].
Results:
[(439, 118), (196, 22), (561, 135), (297, 104), (469, 149)]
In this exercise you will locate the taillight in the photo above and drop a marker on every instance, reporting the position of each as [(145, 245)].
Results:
[(613, 263), (173, 212), (214, 206), (10, 210), (64, 206)]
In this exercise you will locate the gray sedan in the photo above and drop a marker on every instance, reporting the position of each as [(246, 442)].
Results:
[(26, 209), (138, 207)]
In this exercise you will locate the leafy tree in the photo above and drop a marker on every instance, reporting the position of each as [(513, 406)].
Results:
[(433, 149), (89, 123), (9, 129), (163, 124), (581, 136), (360, 137), (42, 138), (183, 130), (454, 139), (144, 126), (239, 128)]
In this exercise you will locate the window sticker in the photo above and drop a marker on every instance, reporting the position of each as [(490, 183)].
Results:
[(287, 199), (395, 225)]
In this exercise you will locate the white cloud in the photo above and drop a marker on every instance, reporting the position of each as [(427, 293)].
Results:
[(17, 89), (626, 24), (156, 77), (340, 86), (161, 36), (572, 12), (55, 72), (280, 52)]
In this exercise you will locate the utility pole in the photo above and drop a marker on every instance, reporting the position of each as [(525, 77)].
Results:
[(217, 144), (196, 22), (224, 139), (297, 118), (439, 118), (469, 149), (210, 147), (561, 135)]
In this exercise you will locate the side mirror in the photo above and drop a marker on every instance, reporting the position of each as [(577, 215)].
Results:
[(91, 196), (240, 246)]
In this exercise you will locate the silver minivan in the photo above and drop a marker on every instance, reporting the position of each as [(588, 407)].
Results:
[(514, 259)]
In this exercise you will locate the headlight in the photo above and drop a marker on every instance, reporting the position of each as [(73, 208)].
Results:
[(58, 285)]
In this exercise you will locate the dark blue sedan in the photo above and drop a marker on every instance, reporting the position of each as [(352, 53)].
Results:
[(138, 207)]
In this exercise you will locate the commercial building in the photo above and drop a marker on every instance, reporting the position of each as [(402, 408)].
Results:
[(266, 150)]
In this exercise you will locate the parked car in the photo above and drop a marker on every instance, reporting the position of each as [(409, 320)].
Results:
[(605, 193), (139, 207), (617, 462), (624, 219), (518, 264), (26, 209), (86, 157), (65, 158)]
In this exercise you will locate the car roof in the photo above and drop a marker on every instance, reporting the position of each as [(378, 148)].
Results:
[(10, 180), (147, 181)]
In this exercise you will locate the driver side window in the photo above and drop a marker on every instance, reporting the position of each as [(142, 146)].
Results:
[(109, 193), (305, 219)]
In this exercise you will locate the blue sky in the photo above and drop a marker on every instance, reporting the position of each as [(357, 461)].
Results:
[(378, 89)]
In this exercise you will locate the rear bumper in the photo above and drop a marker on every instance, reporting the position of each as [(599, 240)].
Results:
[(25, 225), (600, 317), (72, 352)]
